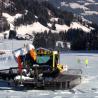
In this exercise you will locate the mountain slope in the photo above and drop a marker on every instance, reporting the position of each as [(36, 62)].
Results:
[(85, 8), (45, 24), (28, 16)]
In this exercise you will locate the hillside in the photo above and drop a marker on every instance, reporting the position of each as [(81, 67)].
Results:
[(85, 8), (28, 14), (27, 18)]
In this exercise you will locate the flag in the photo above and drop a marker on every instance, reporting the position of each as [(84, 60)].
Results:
[(86, 61), (20, 55)]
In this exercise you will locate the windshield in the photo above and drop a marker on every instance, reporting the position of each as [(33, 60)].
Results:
[(42, 59)]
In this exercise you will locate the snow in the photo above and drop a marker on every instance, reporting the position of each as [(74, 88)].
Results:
[(87, 89), (17, 16), (76, 5), (1, 36), (22, 78), (90, 13), (54, 19), (5, 32), (49, 24), (86, 4), (92, 1), (38, 27), (64, 4), (76, 25), (61, 27), (36, 17), (11, 19), (85, 20), (13, 44), (34, 27), (8, 46), (6, 5)]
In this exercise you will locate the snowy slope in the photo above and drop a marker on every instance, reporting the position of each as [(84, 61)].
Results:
[(34, 27), (86, 8), (76, 25), (38, 27), (38, 24)]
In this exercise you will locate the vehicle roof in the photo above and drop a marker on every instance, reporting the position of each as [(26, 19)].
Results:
[(44, 51)]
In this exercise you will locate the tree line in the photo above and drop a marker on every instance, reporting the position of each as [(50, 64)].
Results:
[(79, 39)]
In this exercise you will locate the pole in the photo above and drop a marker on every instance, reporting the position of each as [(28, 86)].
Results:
[(1, 8), (53, 60)]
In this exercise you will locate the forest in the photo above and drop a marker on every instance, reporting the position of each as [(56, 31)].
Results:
[(79, 39)]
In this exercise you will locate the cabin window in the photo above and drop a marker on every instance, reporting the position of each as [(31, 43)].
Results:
[(42, 59)]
